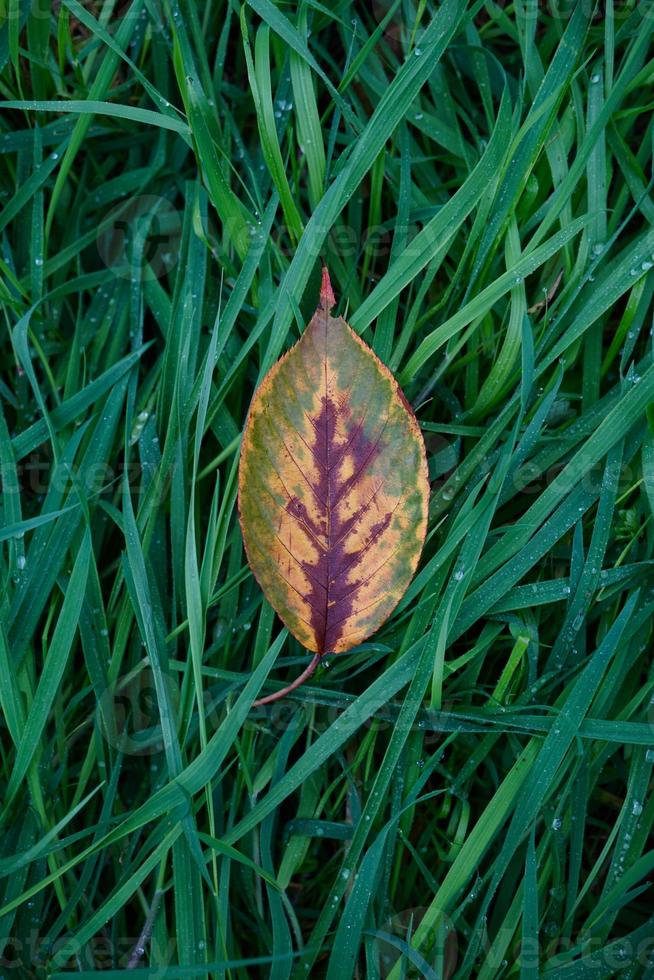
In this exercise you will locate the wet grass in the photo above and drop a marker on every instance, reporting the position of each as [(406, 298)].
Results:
[(467, 794)]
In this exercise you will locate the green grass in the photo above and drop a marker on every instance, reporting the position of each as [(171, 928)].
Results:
[(466, 794)]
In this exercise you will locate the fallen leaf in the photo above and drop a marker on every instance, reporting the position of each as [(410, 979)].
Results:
[(333, 486)]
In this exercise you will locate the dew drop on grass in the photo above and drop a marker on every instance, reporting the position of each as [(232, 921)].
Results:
[(636, 808), (417, 52)]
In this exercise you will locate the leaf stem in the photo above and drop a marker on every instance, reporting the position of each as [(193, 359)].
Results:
[(304, 676), (327, 298)]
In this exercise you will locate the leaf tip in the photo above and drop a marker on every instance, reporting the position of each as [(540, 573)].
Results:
[(327, 298)]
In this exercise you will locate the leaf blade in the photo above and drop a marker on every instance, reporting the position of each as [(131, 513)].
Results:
[(333, 487)]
